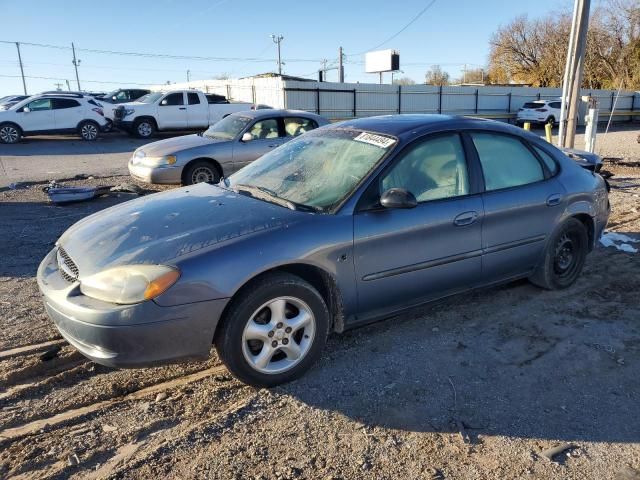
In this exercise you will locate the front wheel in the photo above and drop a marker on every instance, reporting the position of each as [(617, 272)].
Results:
[(564, 257), (144, 128), (89, 130), (274, 330), (9, 133), (200, 171)]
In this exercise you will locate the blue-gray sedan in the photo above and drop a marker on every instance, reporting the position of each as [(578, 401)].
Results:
[(347, 224)]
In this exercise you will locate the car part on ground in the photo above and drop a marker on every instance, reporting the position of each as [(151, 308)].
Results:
[(278, 253)]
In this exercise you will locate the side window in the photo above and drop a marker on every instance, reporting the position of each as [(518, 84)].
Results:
[(122, 95), (40, 104), (173, 99), (294, 126), (433, 169), (555, 105), (506, 161), (193, 98), (60, 103), (548, 161), (213, 98), (265, 129)]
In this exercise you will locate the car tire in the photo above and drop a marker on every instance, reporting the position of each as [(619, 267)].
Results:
[(200, 171), (279, 308), (564, 257), (144, 128), (89, 130), (10, 133)]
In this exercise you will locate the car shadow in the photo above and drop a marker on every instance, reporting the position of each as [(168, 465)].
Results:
[(514, 360)]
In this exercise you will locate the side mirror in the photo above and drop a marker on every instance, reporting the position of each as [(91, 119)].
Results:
[(114, 98), (26, 109), (163, 102), (398, 198), (246, 137)]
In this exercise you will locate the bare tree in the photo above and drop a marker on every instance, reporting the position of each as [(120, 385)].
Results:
[(436, 76), (403, 81)]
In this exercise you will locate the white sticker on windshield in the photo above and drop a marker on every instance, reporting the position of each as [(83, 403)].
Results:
[(377, 140)]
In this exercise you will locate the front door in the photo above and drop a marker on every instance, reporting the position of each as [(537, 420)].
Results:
[(37, 116), (172, 112), (405, 257), (266, 134), (522, 205)]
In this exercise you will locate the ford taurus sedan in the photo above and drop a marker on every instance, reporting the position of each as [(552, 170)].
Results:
[(223, 148), (342, 226)]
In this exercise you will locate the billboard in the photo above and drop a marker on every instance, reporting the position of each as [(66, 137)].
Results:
[(382, 61)]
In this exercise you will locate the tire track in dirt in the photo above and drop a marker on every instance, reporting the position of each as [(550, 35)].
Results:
[(26, 349), (53, 377), (76, 413)]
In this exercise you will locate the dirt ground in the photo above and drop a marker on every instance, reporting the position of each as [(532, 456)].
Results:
[(476, 387)]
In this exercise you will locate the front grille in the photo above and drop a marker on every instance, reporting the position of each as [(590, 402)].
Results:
[(68, 269), (118, 113)]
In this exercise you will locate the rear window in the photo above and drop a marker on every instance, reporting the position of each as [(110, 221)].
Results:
[(548, 161), (533, 105), (213, 98)]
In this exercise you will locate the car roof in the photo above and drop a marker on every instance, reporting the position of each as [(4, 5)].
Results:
[(275, 112), (411, 125)]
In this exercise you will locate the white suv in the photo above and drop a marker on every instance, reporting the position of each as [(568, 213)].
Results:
[(52, 113), (540, 111)]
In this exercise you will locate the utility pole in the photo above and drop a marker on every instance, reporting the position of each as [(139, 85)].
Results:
[(58, 86), (188, 76), (277, 39), (24, 83), (68, 85), (340, 66), (75, 62), (573, 73)]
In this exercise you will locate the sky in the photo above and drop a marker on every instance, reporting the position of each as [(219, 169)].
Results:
[(237, 35)]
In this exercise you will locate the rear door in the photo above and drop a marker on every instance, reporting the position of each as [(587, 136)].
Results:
[(68, 113), (522, 204), (405, 257), (267, 133), (172, 112), (294, 126), (39, 116), (197, 111)]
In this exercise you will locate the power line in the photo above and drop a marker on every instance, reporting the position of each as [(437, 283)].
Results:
[(160, 55), (59, 78), (411, 22)]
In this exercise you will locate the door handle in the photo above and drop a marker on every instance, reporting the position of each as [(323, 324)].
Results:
[(466, 218), (553, 200), (182, 108)]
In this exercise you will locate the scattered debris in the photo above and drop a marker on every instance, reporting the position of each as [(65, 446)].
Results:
[(619, 241), (456, 418), (161, 396), (550, 453), (50, 354), (58, 194), (73, 460), (18, 186), (127, 188), (109, 428)]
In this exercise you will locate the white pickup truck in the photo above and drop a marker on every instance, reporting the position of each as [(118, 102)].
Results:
[(174, 110)]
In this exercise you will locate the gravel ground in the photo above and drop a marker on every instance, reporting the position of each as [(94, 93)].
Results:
[(476, 387)]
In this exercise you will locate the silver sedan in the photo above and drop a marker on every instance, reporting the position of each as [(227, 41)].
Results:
[(223, 148)]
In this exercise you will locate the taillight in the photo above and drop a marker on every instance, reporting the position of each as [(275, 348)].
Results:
[(98, 111), (541, 109)]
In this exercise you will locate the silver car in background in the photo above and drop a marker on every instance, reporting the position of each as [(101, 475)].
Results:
[(223, 148)]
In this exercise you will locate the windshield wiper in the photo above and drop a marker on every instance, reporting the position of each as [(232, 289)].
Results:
[(274, 196)]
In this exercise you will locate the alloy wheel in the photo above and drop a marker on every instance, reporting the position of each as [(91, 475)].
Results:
[(9, 134), (278, 335), (89, 131), (145, 129)]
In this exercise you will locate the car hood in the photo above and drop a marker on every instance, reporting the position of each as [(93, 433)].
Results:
[(173, 145), (591, 161), (158, 228)]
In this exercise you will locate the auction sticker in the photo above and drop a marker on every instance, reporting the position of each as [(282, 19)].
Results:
[(377, 140)]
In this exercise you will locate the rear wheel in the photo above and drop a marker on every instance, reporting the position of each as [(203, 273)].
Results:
[(144, 128), (564, 257), (274, 331), (201, 171), (89, 130), (10, 133)]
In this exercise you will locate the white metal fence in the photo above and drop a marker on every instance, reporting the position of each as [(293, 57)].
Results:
[(350, 100)]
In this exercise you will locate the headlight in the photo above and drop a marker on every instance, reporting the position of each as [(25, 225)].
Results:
[(158, 161), (128, 111), (129, 284)]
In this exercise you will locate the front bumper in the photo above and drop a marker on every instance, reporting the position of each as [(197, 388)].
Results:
[(127, 335), (171, 175)]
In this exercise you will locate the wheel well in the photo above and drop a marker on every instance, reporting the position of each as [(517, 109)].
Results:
[(213, 162), (322, 281), (588, 223), (153, 120), (87, 120), (14, 124)]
